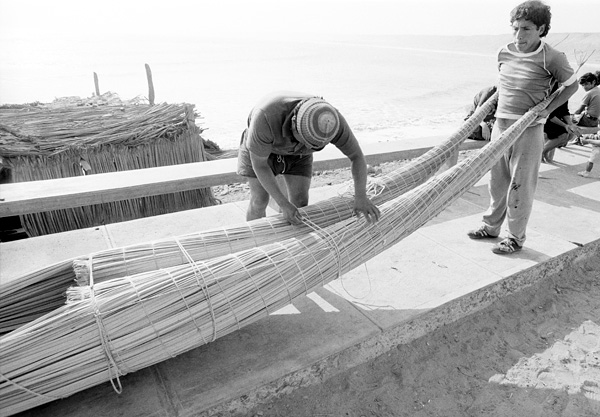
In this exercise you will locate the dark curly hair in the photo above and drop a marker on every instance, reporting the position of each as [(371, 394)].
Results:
[(535, 11), (588, 77)]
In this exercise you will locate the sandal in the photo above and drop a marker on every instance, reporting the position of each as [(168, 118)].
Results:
[(507, 246)]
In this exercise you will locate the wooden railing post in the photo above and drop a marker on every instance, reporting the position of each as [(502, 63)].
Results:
[(96, 84), (150, 85)]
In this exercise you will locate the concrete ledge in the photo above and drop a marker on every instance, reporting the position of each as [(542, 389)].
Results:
[(404, 333)]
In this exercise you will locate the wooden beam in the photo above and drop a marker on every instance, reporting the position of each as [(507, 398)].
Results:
[(38, 196)]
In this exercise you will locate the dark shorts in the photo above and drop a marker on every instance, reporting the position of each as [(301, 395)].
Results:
[(559, 141), (477, 134), (587, 121), (554, 131), (280, 164)]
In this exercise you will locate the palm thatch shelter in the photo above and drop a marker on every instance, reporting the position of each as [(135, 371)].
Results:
[(38, 143)]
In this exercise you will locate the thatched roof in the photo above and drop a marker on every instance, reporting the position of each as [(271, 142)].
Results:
[(50, 131), (39, 143)]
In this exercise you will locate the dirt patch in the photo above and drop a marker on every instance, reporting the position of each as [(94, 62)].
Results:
[(230, 193), (533, 353)]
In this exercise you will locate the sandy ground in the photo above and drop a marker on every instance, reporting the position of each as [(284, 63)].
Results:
[(240, 191), (535, 353)]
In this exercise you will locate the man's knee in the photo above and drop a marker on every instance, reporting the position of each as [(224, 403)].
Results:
[(257, 207), (259, 200), (298, 189), (300, 200), (298, 192)]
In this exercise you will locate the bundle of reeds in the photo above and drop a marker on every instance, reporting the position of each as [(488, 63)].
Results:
[(121, 325), (34, 294), (163, 253), (217, 242), (41, 143), (134, 259)]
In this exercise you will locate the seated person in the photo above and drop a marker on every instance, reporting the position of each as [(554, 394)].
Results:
[(557, 131), (484, 130), (589, 111)]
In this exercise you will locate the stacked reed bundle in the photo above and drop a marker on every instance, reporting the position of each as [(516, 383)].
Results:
[(139, 258), (39, 144), (121, 325), (34, 294)]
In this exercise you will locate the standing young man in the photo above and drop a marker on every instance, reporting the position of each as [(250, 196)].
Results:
[(284, 130), (528, 68)]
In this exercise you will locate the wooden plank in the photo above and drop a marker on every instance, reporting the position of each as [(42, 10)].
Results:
[(37, 196)]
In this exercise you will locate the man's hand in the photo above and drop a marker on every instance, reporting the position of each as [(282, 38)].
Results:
[(365, 207), (543, 114), (574, 129), (485, 131), (291, 214)]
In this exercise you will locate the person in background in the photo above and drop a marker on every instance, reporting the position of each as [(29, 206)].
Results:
[(589, 111), (528, 68), (484, 130), (593, 140), (558, 129), (591, 136), (284, 130)]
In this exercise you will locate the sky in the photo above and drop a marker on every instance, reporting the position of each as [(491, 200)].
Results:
[(84, 18)]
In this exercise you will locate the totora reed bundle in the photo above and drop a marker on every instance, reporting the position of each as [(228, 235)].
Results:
[(213, 243), (138, 258), (124, 324)]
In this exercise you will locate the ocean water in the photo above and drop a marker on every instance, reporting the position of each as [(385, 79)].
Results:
[(387, 91)]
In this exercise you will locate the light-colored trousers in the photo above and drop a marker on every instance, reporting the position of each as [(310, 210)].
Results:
[(513, 181)]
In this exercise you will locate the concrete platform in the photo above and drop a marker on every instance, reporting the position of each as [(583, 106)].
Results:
[(432, 278)]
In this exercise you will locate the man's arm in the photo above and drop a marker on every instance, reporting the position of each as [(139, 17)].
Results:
[(557, 121), (565, 93), (589, 130), (595, 142), (567, 124), (362, 204)]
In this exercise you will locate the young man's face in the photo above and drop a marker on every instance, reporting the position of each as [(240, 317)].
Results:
[(526, 35), (588, 86)]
